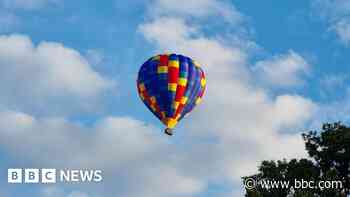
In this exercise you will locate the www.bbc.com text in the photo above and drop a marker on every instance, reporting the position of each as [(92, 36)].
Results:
[(251, 184)]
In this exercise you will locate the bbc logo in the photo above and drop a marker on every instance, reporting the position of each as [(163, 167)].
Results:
[(31, 176)]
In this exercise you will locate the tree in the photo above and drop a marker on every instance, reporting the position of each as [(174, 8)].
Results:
[(330, 151)]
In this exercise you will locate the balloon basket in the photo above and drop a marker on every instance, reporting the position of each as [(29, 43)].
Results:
[(168, 131)]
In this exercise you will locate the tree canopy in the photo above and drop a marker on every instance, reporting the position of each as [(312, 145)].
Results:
[(329, 151)]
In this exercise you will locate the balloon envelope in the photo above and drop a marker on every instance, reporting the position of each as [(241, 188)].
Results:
[(171, 86)]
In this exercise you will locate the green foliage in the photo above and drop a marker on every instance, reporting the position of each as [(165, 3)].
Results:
[(330, 151)]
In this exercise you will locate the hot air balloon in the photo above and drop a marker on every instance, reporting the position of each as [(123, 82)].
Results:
[(171, 85)]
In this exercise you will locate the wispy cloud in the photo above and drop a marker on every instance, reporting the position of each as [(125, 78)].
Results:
[(332, 84), (196, 8), (336, 13), (283, 70), (54, 191), (342, 27)]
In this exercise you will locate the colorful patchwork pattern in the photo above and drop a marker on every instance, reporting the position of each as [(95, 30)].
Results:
[(171, 86)]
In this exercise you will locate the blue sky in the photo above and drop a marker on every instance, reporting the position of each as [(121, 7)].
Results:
[(68, 97)]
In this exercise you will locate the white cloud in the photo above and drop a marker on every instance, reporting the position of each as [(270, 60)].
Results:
[(188, 40), (134, 159), (290, 109), (161, 180), (26, 4), (23, 130), (196, 8), (159, 31), (247, 124), (46, 77), (283, 70)]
